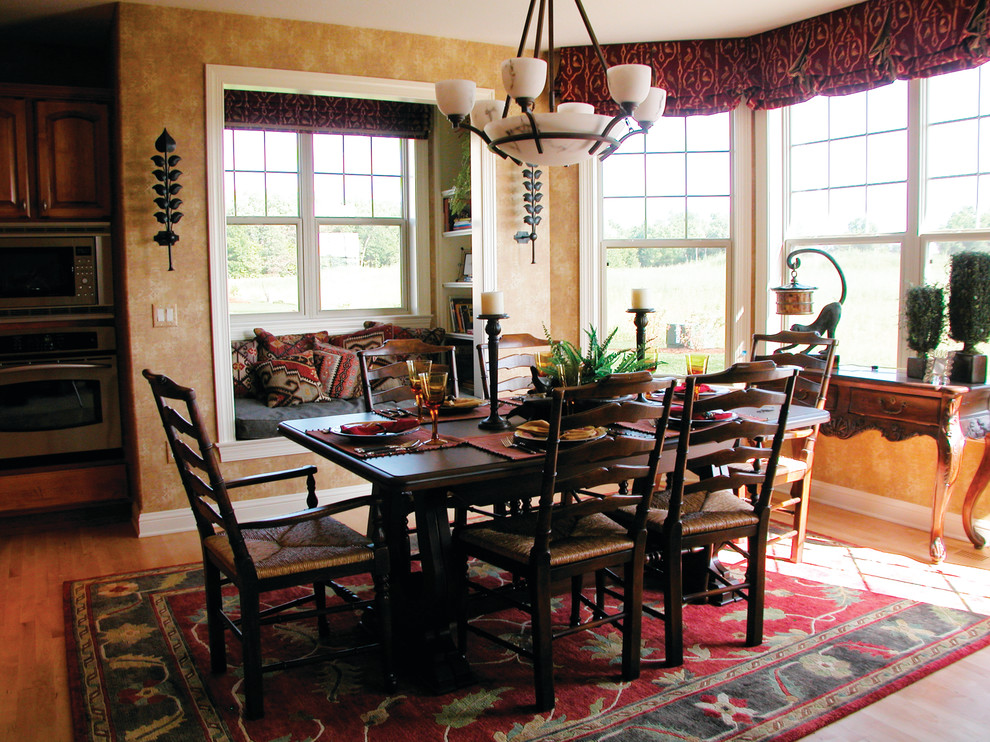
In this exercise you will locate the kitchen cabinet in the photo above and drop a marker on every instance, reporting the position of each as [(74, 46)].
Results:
[(54, 155)]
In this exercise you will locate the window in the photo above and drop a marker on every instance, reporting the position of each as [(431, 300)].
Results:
[(334, 205), (666, 203), (851, 166)]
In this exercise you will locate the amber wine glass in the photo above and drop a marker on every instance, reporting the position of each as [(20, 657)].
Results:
[(417, 366), (434, 393)]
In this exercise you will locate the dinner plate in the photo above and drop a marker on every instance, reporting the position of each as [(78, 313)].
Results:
[(714, 392), (525, 435), (370, 436), (461, 404), (700, 422)]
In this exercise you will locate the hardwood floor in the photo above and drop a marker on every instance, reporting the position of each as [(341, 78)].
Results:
[(34, 562)]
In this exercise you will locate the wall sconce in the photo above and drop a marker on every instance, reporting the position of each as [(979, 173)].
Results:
[(795, 298), (531, 199), (166, 189)]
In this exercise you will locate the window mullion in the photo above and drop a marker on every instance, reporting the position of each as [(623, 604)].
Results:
[(309, 252)]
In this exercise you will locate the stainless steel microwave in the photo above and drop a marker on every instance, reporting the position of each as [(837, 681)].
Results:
[(52, 268)]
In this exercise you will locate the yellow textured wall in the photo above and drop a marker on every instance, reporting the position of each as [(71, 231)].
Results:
[(162, 53)]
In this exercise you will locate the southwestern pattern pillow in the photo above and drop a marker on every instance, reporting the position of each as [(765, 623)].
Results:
[(244, 355), (284, 382), (339, 371), (363, 339), (280, 346)]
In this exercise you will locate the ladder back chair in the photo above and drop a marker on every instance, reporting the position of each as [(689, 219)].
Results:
[(308, 548), (570, 534), (700, 510), (815, 356), (385, 376), (516, 352)]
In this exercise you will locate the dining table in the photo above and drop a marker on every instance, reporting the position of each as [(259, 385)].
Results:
[(475, 467)]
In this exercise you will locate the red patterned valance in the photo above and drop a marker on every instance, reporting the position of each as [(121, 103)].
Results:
[(257, 109), (845, 51)]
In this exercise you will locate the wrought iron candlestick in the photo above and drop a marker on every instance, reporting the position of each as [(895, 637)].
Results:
[(641, 320), (494, 421), (166, 189)]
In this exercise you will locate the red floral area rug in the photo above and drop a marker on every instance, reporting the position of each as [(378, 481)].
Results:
[(139, 670)]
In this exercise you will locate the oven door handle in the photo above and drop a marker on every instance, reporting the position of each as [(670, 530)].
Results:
[(51, 367)]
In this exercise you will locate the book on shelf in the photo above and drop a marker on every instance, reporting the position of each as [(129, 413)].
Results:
[(461, 314)]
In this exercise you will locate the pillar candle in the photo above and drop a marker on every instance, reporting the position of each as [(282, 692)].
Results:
[(641, 299), (492, 302)]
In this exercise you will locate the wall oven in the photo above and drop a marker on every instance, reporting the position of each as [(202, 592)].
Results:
[(59, 392), (55, 269)]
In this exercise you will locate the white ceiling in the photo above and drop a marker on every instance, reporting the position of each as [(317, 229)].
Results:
[(498, 21)]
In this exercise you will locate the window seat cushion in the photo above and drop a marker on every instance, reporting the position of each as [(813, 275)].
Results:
[(253, 419)]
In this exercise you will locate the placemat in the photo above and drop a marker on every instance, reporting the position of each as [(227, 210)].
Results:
[(494, 443)]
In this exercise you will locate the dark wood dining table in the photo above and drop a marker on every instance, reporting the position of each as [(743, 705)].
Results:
[(421, 482)]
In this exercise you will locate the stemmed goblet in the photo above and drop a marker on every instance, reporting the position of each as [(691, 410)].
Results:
[(417, 366), (434, 393)]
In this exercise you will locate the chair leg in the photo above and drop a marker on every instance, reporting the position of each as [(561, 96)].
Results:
[(577, 587), (600, 594), (254, 705), (632, 624), (756, 577), (460, 588), (215, 625), (802, 490), (383, 605), (539, 594), (320, 601), (673, 606)]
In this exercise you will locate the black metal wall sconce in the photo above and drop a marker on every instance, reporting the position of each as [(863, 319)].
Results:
[(166, 189), (531, 201)]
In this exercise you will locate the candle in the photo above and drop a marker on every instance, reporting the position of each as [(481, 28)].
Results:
[(492, 302), (641, 299)]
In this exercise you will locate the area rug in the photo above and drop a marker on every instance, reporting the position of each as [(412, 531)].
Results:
[(139, 670)]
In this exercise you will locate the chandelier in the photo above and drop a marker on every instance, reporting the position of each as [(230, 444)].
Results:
[(569, 132)]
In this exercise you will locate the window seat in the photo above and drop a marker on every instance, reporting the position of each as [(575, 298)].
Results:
[(253, 419)]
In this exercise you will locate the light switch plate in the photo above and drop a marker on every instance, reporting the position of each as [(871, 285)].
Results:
[(164, 315)]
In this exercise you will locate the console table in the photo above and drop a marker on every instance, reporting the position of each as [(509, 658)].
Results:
[(900, 408)]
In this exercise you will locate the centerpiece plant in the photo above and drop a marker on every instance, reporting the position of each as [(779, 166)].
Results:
[(598, 362)]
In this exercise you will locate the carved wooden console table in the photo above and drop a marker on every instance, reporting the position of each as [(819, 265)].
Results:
[(900, 408)]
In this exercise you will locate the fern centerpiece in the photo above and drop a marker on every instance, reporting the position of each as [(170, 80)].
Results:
[(568, 366)]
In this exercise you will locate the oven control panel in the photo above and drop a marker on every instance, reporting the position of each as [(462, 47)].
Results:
[(55, 341)]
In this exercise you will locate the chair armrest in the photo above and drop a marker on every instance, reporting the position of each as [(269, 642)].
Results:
[(310, 513), (274, 476)]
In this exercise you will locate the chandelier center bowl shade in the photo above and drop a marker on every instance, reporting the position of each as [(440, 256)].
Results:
[(566, 134)]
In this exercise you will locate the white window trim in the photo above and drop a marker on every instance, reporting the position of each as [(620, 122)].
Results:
[(738, 260), (220, 77)]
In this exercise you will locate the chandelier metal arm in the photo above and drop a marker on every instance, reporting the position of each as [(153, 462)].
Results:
[(535, 129)]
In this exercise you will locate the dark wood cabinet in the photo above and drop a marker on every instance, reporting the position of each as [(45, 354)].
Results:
[(54, 155), (14, 158)]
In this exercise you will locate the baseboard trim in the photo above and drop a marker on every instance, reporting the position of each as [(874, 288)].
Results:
[(888, 509), (181, 520)]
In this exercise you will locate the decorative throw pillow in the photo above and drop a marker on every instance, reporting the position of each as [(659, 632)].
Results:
[(284, 382), (362, 339), (280, 346), (339, 371), (244, 354), (430, 335)]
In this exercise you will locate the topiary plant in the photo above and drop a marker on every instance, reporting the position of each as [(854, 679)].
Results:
[(925, 315), (969, 299)]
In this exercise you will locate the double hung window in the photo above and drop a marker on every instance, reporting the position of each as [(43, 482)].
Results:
[(315, 222), (666, 214), (890, 182)]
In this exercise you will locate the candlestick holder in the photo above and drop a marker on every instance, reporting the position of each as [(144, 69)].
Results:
[(494, 421), (641, 320)]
